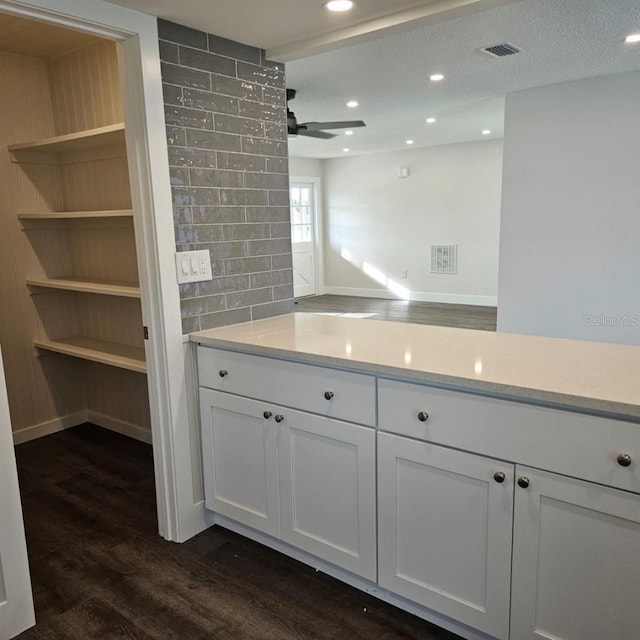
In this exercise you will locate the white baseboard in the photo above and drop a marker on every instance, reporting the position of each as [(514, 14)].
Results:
[(119, 426), (47, 428), (417, 296)]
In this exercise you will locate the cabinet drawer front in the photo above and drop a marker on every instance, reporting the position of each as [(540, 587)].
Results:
[(351, 396), (572, 444)]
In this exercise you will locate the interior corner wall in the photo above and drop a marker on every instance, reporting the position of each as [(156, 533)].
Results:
[(570, 231), (377, 224), (225, 107)]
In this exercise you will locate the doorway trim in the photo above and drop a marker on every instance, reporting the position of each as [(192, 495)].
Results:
[(318, 227), (137, 34)]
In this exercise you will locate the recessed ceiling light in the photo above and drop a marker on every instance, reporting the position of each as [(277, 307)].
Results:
[(486, 132), (430, 120), (348, 133), (346, 150), (436, 77), (632, 38), (352, 104), (339, 5), (409, 141)]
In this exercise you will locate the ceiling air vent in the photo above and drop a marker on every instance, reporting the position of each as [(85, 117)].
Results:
[(502, 50)]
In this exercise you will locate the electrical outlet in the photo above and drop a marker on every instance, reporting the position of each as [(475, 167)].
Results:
[(403, 273), (193, 266)]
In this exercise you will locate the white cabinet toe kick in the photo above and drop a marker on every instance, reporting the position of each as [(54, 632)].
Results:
[(493, 518)]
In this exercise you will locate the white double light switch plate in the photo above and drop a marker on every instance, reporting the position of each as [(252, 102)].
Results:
[(193, 266)]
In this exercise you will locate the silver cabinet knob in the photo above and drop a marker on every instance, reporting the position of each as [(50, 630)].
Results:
[(523, 482), (328, 395), (279, 418), (423, 416), (267, 415), (624, 460), (499, 477), (223, 373)]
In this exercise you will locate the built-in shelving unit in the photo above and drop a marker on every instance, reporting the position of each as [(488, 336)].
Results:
[(111, 353), (89, 140), (69, 215), (125, 290), (74, 338)]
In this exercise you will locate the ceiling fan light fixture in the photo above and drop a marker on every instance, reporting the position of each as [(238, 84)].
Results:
[(339, 5)]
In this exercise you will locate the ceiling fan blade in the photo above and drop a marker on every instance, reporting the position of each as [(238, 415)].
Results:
[(346, 124), (323, 135)]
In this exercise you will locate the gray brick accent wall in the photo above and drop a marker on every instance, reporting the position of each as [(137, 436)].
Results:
[(226, 115)]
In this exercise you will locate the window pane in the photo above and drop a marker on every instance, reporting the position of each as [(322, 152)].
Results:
[(295, 196), (296, 217), (306, 233), (305, 195), (297, 234), (306, 215)]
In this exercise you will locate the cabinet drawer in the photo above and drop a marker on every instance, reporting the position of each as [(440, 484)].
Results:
[(351, 396), (572, 444)]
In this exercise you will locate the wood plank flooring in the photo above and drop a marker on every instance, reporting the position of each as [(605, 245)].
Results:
[(100, 571), (462, 316)]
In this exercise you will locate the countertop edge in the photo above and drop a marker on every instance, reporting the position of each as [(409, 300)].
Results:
[(577, 404)]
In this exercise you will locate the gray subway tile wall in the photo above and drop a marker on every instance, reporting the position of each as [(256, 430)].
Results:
[(225, 109)]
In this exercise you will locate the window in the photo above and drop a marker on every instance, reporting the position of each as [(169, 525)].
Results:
[(301, 213)]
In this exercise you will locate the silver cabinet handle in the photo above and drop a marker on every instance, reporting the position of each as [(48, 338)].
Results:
[(279, 418), (523, 482), (423, 416), (499, 477), (223, 373), (328, 395), (624, 460), (267, 415)]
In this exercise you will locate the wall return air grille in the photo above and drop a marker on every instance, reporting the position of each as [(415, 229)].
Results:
[(444, 258)]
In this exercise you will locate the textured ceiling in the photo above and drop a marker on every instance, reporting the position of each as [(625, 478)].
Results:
[(562, 40)]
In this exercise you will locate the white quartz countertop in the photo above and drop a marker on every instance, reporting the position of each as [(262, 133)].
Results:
[(586, 376)]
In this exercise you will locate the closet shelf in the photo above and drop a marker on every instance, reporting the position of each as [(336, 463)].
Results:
[(110, 353), (65, 215), (108, 136), (120, 289)]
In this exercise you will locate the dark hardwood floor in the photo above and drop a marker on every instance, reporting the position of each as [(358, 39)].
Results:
[(461, 316), (99, 569)]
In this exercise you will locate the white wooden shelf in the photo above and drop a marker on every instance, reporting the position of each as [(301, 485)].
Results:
[(120, 289), (68, 215), (99, 138), (110, 353)]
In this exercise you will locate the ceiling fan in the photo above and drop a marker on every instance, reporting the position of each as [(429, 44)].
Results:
[(315, 129)]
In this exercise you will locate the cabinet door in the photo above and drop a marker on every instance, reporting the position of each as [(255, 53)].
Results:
[(576, 560), (445, 528), (327, 487), (240, 455)]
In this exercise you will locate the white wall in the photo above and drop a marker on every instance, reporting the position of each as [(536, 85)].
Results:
[(378, 224), (305, 167), (570, 237)]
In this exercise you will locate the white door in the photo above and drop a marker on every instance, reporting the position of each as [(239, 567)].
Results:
[(303, 214), (16, 601), (576, 560), (327, 490), (444, 531), (240, 452)]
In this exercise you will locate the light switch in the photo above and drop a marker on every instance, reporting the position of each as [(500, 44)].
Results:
[(193, 266)]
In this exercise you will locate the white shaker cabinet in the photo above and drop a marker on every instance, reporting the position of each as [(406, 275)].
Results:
[(240, 451), (576, 560), (445, 526), (327, 490)]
